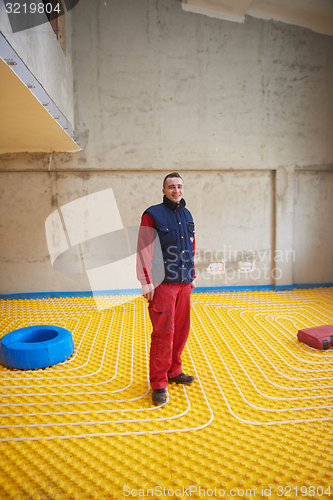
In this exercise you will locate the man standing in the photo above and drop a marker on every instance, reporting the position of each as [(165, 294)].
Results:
[(169, 301)]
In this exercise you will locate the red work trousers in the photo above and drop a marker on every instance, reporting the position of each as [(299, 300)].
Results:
[(169, 312)]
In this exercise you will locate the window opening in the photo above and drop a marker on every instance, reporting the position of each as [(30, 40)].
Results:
[(55, 13)]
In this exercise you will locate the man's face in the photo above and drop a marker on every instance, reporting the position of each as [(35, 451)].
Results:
[(174, 189)]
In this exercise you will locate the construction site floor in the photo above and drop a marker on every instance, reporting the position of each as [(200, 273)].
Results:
[(256, 423)]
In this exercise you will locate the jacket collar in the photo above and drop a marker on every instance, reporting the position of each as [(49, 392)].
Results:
[(175, 207)]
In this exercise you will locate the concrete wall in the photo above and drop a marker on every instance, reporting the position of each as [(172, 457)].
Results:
[(231, 233), (169, 87), (243, 112), (41, 52)]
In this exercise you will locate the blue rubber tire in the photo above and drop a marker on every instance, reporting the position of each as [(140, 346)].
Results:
[(36, 347)]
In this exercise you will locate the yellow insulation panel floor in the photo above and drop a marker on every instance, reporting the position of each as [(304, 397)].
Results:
[(257, 421)]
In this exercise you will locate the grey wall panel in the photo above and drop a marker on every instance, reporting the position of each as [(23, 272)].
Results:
[(313, 227)]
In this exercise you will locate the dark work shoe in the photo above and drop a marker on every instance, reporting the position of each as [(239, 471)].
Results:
[(159, 396), (182, 379)]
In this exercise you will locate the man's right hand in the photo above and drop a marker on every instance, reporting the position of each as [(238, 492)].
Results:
[(148, 291)]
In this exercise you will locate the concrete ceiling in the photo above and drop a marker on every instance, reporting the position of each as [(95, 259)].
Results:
[(25, 124), (314, 14)]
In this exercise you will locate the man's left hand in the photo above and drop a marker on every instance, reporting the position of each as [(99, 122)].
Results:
[(193, 285)]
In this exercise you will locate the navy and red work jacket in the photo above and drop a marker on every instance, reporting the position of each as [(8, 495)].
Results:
[(173, 261)]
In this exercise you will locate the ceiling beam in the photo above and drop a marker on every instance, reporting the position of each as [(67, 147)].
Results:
[(229, 10), (314, 14)]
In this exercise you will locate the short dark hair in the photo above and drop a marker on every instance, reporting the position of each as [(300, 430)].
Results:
[(173, 174)]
